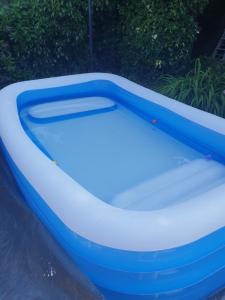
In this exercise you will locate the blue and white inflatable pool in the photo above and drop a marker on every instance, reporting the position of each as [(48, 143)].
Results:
[(129, 182)]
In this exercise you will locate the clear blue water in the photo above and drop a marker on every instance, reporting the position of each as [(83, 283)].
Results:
[(116, 154)]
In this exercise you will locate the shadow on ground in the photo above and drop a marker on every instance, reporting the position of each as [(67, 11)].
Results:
[(32, 265)]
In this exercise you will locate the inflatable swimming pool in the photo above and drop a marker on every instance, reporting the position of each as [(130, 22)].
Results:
[(129, 182)]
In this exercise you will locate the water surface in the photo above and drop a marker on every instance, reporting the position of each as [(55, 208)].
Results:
[(124, 159)]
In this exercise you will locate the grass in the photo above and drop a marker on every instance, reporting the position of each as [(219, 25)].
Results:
[(201, 87)]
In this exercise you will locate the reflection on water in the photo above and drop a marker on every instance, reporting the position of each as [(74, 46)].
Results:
[(32, 265)]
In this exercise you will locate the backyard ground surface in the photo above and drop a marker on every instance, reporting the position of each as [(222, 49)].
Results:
[(32, 265)]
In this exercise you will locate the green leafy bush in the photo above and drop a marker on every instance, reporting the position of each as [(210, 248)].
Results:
[(201, 87), (138, 39), (158, 35), (43, 37)]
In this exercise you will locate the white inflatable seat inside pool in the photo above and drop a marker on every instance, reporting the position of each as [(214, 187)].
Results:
[(181, 183), (70, 106)]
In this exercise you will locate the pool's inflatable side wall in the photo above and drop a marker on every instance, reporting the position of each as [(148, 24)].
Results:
[(166, 227), (194, 271)]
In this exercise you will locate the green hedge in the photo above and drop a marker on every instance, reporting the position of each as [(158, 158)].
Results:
[(158, 35), (42, 38), (138, 39)]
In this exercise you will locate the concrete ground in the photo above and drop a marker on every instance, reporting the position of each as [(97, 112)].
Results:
[(32, 265)]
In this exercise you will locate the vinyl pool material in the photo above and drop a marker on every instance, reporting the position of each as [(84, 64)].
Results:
[(130, 182)]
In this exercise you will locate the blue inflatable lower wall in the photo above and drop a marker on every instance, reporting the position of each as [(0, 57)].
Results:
[(194, 271)]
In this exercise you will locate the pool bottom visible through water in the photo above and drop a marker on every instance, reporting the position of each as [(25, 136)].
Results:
[(125, 160)]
